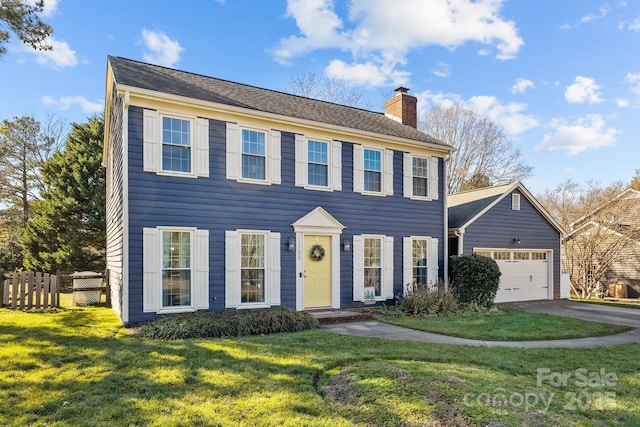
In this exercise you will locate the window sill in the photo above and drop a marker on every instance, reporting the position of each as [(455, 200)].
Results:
[(253, 181), (318, 188), (174, 310), (177, 174), (369, 193), (250, 306), (424, 199)]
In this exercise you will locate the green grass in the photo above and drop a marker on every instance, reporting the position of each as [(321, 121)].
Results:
[(511, 325), (75, 367)]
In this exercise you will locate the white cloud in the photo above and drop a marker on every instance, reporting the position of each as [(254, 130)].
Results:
[(442, 71), (634, 80), (367, 74), (635, 25), (510, 116), (380, 33), (66, 102), (583, 90), (622, 102), (521, 85), (604, 11), (59, 57), (161, 50), (586, 133)]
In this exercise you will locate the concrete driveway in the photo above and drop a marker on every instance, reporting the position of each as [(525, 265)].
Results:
[(583, 311)]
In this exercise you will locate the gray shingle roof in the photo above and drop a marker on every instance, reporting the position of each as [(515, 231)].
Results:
[(152, 77)]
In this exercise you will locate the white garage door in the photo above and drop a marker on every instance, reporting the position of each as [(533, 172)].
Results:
[(525, 274)]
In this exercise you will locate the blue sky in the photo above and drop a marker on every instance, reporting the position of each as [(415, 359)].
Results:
[(561, 77)]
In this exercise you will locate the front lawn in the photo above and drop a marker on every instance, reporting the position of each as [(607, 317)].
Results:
[(511, 325), (79, 367)]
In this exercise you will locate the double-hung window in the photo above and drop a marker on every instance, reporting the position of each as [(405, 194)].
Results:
[(253, 154), (318, 163), (372, 267), (252, 268), (372, 171), (420, 263), (175, 269), (175, 144), (373, 264), (420, 177)]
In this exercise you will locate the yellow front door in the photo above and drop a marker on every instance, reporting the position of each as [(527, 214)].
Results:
[(317, 271)]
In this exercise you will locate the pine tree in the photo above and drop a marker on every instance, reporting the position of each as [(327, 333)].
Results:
[(67, 231), (21, 17)]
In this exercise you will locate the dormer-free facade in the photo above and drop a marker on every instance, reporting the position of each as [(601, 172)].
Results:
[(227, 196)]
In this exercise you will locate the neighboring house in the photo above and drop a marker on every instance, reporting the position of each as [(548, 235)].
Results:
[(227, 196), (507, 224), (616, 225)]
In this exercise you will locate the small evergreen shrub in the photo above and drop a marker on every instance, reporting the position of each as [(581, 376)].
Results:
[(228, 323), (475, 279), (425, 301)]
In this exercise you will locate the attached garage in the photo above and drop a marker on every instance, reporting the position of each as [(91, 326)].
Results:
[(526, 274), (507, 224)]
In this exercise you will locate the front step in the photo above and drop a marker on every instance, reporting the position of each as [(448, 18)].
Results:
[(326, 317)]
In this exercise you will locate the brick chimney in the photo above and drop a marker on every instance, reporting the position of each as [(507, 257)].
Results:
[(402, 108)]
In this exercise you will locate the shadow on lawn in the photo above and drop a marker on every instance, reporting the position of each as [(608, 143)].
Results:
[(80, 369)]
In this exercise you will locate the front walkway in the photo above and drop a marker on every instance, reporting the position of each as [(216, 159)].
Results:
[(373, 329)]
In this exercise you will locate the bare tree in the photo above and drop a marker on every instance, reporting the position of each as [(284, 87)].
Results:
[(317, 86), (603, 227), (482, 148)]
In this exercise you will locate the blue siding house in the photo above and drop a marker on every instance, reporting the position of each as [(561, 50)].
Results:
[(227, 196), (509, 225)]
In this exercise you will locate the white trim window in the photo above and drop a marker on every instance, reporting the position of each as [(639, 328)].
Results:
[(420, 262), (373, 267), (372, 171), (253, 154), (175, 144), (252, 265), (318, 163), (420, 177), (175, 269)]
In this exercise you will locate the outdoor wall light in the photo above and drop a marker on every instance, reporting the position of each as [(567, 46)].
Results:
[(292, 244), (346, 245), (516, 240)]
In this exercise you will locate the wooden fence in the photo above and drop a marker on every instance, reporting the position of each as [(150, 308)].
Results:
[(28, 289)]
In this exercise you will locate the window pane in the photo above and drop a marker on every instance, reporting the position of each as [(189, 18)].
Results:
[(252, 285), (318, 174), (252, 255), (253, 167), (501, 255), (372, 160), (372, 181), (176, 249), (253, 142), (176, 288), (176, 158), (420, 187), (420, 176), (420, 261), (176, 131), (521, 256)]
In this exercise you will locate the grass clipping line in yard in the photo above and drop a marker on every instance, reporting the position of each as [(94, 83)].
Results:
[(507, 325), (218, 324)]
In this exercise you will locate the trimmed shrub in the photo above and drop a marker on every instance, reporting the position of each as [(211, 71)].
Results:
[(475, 279), (228, 323), (426, 301)]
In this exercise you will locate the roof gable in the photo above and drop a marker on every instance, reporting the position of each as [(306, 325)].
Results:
[(145, 76), (464, 208)]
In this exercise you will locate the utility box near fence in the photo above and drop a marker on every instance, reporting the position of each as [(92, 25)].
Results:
[(87, 287)]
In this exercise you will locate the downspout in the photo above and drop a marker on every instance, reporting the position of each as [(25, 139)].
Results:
[(459, 233)]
